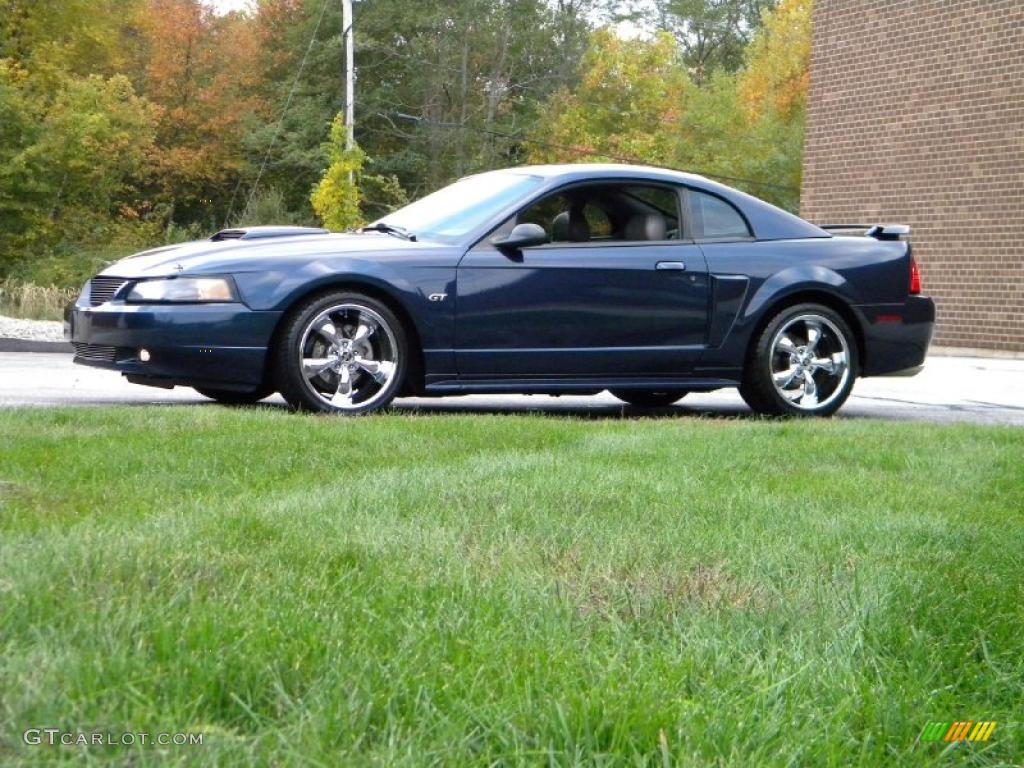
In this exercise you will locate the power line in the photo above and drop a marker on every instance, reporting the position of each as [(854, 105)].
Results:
[(437, 65), (280, 122)]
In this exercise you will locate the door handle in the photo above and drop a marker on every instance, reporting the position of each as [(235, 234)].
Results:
[(677, 266)]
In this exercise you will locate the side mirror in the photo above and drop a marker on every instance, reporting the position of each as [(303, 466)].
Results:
[(521, 236)]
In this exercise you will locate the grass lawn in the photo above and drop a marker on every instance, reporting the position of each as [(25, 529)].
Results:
[(504, 590)]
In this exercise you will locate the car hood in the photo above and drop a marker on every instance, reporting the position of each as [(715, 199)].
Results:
[(227, 256)]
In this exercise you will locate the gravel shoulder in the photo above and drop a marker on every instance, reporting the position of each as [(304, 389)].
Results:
[(31, 330)]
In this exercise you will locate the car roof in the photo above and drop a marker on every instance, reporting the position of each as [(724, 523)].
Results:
[(767, 221), (571, 171)]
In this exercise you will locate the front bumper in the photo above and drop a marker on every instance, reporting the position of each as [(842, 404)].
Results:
[(220, 345)]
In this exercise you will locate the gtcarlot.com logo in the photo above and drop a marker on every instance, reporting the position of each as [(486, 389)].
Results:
[(55, 736)]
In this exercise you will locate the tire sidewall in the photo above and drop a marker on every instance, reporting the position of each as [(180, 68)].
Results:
[(761, 375), (292, 382)]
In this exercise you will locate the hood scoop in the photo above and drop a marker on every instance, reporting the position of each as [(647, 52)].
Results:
[(258, 233)]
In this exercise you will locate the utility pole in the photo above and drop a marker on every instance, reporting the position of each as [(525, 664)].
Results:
[(346, 24)]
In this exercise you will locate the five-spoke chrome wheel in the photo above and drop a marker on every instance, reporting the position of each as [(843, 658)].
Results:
[(809, 361), (342, 353), (348, 356), (803, 362)]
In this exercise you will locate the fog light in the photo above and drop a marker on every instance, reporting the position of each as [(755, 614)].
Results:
[(144, 355)]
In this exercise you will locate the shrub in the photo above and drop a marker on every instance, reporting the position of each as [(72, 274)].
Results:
[(34, 302)]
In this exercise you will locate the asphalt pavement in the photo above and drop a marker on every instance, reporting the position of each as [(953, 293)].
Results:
[(950, 389)]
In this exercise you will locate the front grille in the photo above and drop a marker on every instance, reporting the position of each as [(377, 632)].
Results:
[(99, 353), (102, 289)]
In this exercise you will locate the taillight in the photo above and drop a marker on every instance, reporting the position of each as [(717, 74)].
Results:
[(915, 277)]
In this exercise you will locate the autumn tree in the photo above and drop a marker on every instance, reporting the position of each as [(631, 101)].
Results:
[(336, 197), (123, 122), (201, 70), (340, 198), (712, 34), (631, 96), (635, 100), (70, 38), (776, 75), (68, 167)]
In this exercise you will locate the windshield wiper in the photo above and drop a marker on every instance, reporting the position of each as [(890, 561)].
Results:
[(391, 229)]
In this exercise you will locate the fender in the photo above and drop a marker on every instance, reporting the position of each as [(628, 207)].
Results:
[(410, 287), (790, 281), (795, 279)]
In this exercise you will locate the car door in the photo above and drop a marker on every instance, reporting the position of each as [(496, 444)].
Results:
[(610, 307)]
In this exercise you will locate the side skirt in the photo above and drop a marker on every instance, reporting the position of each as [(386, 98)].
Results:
[(541, 386)]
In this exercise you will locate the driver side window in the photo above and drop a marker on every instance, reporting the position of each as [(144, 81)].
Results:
[(607, 213)]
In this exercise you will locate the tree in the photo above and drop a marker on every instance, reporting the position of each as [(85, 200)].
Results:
[(336, 198), (776, 76), (69, 38), (339, 199), (439, 85), (634, 100), (68, 167), (629, 101), (712, 34), (201, 70)]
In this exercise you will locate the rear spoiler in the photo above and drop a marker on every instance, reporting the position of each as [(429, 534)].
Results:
[(256, 233), (877, 231)]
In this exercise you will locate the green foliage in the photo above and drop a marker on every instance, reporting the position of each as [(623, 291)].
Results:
[(627, 103), (336, 198), (636, 101), (268, 207), (71, 37), (127, 122), (69, 163), (712, 34), (380, 194)]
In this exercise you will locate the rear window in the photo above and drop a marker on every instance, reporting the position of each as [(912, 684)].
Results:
[(717, 219)]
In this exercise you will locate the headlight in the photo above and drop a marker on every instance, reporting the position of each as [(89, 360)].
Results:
[(183, 289)]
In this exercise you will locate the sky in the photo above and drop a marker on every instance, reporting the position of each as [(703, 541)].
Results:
[(624, 28), (224, 6)]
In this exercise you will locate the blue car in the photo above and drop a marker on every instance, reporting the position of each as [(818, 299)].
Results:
[(559, 279)]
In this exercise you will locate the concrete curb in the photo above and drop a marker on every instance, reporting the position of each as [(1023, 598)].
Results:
[(25, 345), (997, 354)]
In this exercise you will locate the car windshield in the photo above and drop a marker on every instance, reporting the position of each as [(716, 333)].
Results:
[(455, 210)]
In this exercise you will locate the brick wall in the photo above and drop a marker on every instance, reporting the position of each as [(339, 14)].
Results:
[(916, 116)]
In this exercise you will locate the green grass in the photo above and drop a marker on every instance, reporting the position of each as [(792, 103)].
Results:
[(505, 590)]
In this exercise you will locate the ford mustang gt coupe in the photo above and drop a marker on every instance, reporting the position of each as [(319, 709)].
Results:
[(560, 279)]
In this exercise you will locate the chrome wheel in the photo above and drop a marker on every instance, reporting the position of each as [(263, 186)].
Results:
[(809, 362), (348, 356)]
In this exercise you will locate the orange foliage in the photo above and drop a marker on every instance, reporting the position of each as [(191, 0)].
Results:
[(777, 74), (203, 71)]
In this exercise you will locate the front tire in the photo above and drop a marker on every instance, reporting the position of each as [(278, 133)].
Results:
[(803, 363), (340, 352), (649, 398)]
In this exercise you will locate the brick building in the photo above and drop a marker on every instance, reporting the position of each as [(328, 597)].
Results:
[(916, 116)]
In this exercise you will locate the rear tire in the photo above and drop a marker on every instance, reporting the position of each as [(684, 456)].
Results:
[(233, 397), (649, 398), (340, 352), (803, 363)]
